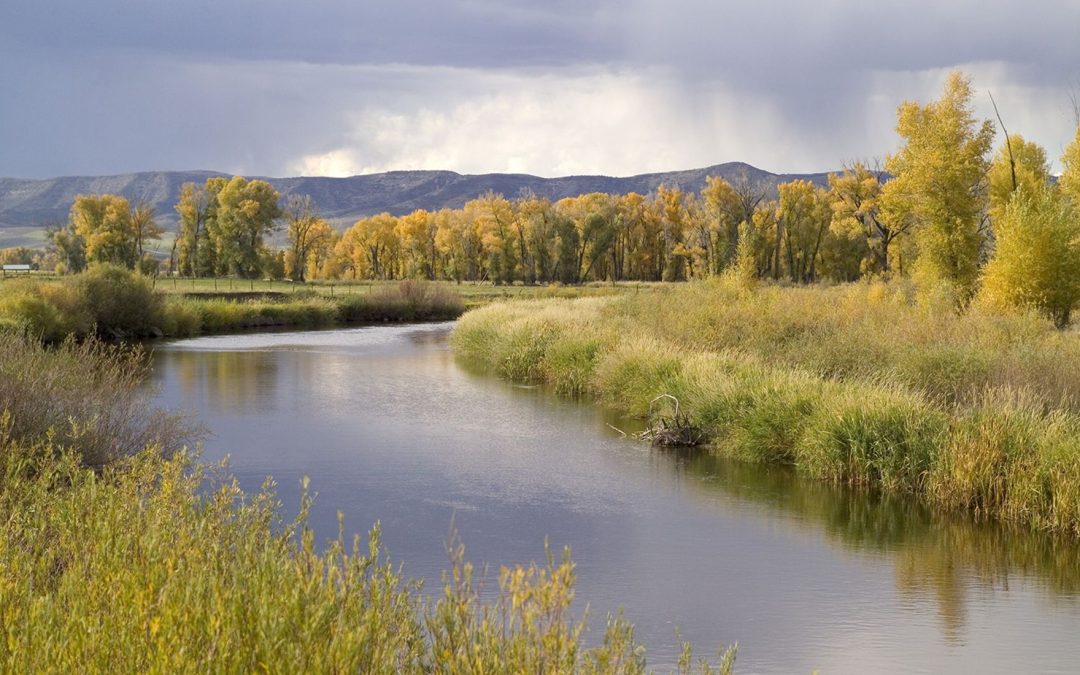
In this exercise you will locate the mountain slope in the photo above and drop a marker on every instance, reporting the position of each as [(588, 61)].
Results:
[(34, 204)]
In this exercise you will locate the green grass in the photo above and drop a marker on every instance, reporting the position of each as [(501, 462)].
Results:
[(856, 385), (472, 292)]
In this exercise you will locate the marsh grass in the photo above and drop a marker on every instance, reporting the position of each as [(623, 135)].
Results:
[(857, 384), (164, 565), (113, 303)]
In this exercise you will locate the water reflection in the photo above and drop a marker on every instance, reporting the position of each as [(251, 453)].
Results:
[(938, 557), (232, 380)]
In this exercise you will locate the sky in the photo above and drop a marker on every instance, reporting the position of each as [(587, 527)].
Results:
[(261, 87)]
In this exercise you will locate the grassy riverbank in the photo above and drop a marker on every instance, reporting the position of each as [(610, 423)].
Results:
[(855, 384), (110, 302), (120, 552)]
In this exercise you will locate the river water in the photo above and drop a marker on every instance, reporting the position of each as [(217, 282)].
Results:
[(391, 428)]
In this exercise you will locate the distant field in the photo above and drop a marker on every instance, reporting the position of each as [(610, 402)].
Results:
[(11, 237), (473, 293)]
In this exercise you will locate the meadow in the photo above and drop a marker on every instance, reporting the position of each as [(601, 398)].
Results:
[(862, 384)]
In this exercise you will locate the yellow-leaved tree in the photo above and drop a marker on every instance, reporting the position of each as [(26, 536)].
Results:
[(1070, 174), (1018, 164), (1036, 262), (939, 181), (856, 210)]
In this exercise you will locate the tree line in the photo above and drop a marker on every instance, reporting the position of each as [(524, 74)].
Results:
[(942, 209)]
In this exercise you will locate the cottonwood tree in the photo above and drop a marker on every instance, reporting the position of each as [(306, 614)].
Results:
[(856, 208), (1019, 164), (306, 232), (68, 247), (803, 216), (939, 180), (144, 226), (1036, 261), (246, 212), (1070, 174), (112, 230), (730, 204), (194, 209)]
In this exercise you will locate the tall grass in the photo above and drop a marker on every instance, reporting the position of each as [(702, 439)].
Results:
[(854, 385), (113, 303), (139, 568)]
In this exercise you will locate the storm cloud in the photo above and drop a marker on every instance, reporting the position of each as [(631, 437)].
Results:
[(336, 88)]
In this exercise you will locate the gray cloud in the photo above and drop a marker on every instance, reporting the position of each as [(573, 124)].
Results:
[(275, 88)]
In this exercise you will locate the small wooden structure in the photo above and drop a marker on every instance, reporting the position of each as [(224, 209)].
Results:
[(15, 269)]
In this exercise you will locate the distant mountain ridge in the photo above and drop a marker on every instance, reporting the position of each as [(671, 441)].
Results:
[(36, 203)]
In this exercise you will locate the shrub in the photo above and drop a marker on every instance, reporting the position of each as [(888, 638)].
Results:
[(87, 397), (120, 302)]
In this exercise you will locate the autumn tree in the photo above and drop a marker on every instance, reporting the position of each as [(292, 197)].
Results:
[(939, 180), (493, 216), (68, 247), (629, 223), (246, 212), (856, 210), (1019, 164), (803, 216), (672, 216), (105, 224), (417, 232), (536, 232), (144, 226), (1070, 174), (1036, 260), (729, 203), (767, 243), (194, 209), (306, 232)]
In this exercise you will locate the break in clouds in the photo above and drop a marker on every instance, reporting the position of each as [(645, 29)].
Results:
[(552, 89)]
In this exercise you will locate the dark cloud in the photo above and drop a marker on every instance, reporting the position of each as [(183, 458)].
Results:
[(267, 87)]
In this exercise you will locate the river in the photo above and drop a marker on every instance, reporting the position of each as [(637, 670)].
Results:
[(391, 428)]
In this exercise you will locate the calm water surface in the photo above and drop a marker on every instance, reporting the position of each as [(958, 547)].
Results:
[(391, 428)]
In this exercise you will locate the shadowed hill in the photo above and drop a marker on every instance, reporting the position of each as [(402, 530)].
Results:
[(33, 204)]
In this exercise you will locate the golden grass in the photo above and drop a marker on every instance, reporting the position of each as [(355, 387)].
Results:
[(856, 384)]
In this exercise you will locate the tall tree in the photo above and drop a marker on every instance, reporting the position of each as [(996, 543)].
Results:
[(193, 207), (1070, 174), (144, 226), (306, 231), (1019, 164), (246, 213), (940, 182), (68, 247), (856, 206), (1036, 260), (803, 215), (105, 223)]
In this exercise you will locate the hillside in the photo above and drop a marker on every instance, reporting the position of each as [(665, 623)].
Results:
[(28, 205)]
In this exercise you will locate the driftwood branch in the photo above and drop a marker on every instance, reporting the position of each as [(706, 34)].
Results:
[(676, 430)]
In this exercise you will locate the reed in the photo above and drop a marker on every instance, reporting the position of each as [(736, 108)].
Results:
[(857, 384)]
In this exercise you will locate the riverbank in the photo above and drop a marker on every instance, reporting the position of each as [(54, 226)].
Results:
[(120, 551), (855, 384), (112, 303)]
